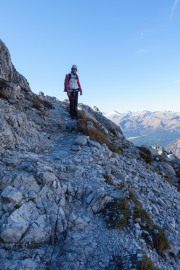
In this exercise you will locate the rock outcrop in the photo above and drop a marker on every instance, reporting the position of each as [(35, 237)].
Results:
[(78, 195), (8, 72)]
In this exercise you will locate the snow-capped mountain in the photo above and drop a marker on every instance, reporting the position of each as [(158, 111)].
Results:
[(149, 128)]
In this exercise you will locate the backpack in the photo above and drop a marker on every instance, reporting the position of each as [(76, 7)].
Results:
[(69, 79)]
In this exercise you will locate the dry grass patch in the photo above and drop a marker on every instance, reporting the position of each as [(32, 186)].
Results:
[(5, 200), (38, 103), (146, 264), (148, 167), (95, 132), (145, 154)]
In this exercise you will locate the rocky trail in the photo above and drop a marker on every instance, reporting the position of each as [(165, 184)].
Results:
[(61, 148)]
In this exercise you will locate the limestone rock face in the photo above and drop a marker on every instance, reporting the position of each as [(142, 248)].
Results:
[(8, 72)]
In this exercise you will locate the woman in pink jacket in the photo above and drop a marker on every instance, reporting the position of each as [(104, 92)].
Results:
[(72, 87)]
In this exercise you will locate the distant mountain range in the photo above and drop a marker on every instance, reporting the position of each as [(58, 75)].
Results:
[(149, 128)]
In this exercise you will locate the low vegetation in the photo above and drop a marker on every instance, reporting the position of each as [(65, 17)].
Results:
[(118, 212), (5, 200), (95, 132), (158, 236), (125, 210), (146, 264), (145, 154), (2, 86), (107, 178), (38, 103), (148, 167)]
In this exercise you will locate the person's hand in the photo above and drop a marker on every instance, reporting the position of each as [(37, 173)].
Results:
[(81, 94)]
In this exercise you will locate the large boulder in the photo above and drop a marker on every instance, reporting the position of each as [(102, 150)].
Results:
[(18, 222)]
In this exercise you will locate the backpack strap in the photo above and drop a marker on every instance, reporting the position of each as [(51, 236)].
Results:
[(70, 76)]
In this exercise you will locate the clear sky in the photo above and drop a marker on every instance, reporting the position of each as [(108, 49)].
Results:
[(127, 52)]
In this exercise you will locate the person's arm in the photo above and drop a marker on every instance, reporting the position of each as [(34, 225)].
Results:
[(67, 84), (79, 85)]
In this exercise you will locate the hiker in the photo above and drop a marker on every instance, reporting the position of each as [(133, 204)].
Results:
[(72, 87)]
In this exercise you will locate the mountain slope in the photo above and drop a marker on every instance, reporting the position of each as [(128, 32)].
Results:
[(174, 147), (148, 128), (69, 202)]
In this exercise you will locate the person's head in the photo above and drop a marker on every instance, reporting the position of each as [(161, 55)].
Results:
[(74, 69)]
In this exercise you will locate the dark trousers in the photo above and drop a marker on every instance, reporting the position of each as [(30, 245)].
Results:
[(74, 104)]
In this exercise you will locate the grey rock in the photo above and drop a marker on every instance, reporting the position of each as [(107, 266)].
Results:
[(162, 203), (95, 144), (81, 140), (12, 233), (76, 148), (48, 177), (10, 197), (18, 222), (39, 231)]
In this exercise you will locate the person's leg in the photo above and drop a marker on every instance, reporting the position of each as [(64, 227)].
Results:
[(76, 104), (71, 106)]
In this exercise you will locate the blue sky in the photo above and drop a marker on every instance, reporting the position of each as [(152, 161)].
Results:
[(127, 52)]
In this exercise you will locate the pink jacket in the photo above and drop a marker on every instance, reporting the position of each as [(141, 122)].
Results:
[(67, 84)]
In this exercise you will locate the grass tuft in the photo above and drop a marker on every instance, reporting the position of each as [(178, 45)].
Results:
[(146, 264), (145, 154), (117, 213), (107, 178), (124, 208), (39, 103), (159, 238)]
